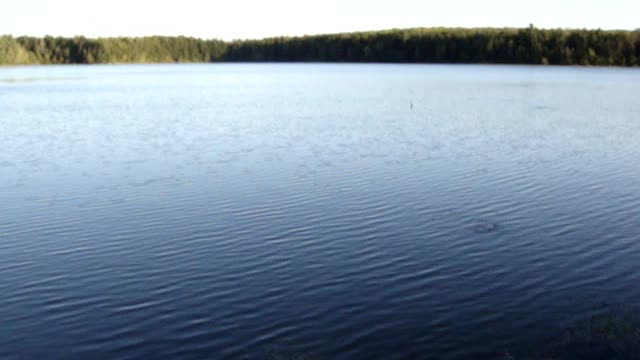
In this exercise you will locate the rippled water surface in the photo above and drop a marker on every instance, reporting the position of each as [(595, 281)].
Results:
[(340, 211)]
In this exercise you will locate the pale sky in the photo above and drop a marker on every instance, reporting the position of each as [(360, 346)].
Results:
[(234, 19)]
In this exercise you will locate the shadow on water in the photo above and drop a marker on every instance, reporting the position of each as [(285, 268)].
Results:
[(612, 335)]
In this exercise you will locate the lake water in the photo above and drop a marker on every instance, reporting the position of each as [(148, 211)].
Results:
[(255, 211)]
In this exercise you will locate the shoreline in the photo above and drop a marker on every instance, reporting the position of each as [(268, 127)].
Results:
[(577, 66)]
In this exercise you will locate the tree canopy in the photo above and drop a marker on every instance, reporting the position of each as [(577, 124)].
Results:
[(419, 45)]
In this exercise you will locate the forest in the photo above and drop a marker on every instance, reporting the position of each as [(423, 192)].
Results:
[(419, 45)]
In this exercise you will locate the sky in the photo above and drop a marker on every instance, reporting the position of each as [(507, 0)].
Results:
[(241, 19)]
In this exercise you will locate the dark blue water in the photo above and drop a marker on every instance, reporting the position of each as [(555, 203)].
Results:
[(338, 211)]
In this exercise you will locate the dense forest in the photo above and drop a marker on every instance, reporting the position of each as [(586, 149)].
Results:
[(422, 45)]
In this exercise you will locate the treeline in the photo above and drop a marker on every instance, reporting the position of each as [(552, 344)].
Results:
[(423, 45), (80, 50)]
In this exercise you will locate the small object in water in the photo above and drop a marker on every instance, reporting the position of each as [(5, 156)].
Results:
[(411, 105), (485, 227)]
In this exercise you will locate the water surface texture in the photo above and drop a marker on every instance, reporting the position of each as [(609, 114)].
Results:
[(340, 211)]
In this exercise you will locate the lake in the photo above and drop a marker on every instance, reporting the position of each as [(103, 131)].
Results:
[(257, 211)]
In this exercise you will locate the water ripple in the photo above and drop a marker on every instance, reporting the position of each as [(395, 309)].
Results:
[(235, 212)]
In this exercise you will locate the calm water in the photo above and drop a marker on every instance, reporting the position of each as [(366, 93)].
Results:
[(343, 211)]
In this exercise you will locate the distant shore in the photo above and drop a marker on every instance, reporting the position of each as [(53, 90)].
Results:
[(418, 45)]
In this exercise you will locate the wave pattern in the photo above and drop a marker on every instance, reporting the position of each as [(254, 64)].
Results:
[(201, 212)]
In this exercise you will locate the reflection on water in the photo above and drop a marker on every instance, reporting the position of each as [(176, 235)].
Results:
[(31, 80), (220, 211)]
